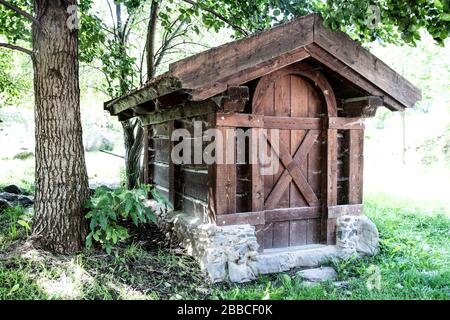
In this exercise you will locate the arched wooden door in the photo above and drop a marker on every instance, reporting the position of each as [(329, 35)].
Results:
[(292, 196)]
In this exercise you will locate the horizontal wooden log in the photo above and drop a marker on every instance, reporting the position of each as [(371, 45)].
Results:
[(193, 183), (160, 174), (292, 123), (363, 107), (161, 149), (289, 214), (161, 86), (238, 57), (245, 120), (234, 100), (342, 123), (335, 212), (188, 110), (251, 218)]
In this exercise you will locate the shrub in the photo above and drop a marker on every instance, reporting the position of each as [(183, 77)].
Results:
[(24, 155), (109, 208)]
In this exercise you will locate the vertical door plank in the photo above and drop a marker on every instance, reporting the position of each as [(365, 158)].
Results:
[(313, 231), (268, 236), (299, 108), (282, 108), (281, 234), (298, 232)]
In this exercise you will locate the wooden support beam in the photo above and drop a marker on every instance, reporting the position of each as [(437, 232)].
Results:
[(251, 218), (341, 123), (257, 183), (171, 165), (364, 107), (161, 86), (335, 212), (292, 123), (290, 214), (242, 120), (225, 172), (331, 185), (187, 110), (145, 173), (355, 162), (234, 99)]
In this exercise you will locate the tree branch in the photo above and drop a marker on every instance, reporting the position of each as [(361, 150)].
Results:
[(18, 48), (21, 12), (219, 16)]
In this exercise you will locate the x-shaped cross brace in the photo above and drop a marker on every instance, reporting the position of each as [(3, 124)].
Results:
[(293, 172)]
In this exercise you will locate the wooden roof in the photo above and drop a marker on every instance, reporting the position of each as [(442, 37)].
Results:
[(209, 73)]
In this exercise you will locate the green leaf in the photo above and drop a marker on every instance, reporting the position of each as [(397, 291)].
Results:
[(89, 241), (24, 224)]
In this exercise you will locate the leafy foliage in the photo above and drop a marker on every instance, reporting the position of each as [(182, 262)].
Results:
[(110, 208), (15, 223), (413, 260)]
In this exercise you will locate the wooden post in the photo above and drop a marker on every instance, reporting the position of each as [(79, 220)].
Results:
[(355, 182), (331, 185), (225, 193), (171, 165), (257, 183), (145, 177)]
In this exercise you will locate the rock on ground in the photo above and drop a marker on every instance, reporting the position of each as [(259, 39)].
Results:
[(357, 234), (4, 205), (318, 274), (12, 189), (16, 199), (368, 237)]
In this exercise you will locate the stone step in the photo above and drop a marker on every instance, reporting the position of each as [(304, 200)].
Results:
[(284, 259)]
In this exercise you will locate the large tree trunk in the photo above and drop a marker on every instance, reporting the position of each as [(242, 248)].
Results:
[(61, 178)]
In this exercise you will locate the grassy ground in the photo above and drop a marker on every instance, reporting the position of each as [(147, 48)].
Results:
[(413, 264)]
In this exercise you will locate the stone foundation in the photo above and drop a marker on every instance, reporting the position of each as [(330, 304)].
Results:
[(230, 253)]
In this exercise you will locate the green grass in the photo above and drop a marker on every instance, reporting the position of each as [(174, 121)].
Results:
[(413, 263)]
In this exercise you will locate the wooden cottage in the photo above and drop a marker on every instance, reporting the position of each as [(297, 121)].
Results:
[(314, 85)]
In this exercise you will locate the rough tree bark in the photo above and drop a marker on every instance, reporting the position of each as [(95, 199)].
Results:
[(61, 177)]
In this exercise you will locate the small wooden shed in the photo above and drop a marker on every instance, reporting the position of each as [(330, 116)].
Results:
[(314, 85)]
